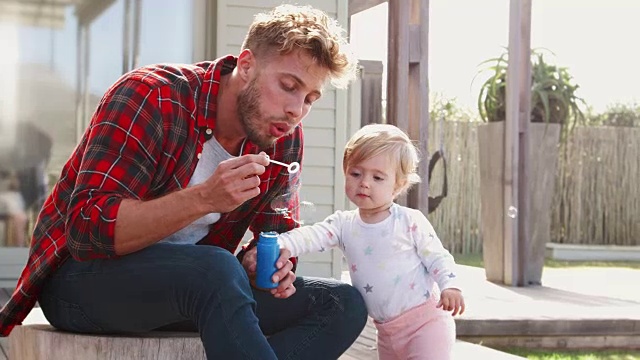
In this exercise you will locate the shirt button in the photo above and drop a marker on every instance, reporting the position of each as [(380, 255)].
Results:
[(199, 156), (209, 131)]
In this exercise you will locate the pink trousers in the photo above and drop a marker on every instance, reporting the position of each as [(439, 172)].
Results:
[(424, 332)]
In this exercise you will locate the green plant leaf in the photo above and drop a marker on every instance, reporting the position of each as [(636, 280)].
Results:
[(553, 91)]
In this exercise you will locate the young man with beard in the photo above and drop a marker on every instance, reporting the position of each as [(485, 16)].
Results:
[(172, 161)]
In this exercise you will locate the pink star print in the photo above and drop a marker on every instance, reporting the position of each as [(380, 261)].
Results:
[(354, 268), (330, 234), (412, 285), (435, 272), (413, 228)]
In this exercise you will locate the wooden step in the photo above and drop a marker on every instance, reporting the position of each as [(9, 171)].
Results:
[(469, 327), (40, 342), (36, 340), (43, 342)]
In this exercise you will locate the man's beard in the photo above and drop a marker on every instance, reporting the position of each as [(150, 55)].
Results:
[(248, 104)]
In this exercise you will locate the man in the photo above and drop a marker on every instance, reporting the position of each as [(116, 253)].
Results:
[(174, 160)]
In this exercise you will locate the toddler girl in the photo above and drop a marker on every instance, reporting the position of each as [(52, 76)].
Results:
[(395, 258)]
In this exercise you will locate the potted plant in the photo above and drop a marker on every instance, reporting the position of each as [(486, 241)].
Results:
[(555, 110)]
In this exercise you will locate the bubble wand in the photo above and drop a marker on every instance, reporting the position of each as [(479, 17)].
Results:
[(291, 168)]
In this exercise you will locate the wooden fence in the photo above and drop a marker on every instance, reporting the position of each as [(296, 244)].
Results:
[(597, 199), (597, 195), (457, 219)]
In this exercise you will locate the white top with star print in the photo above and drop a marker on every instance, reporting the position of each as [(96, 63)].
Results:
[(396, 264)]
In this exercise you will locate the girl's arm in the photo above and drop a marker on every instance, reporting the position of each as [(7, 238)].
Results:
[(317, 237), (437, 260)]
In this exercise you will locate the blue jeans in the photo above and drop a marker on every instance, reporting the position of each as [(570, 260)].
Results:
[(207, 290)]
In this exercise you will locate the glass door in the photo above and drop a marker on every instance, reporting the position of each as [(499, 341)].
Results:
[(58, 58), (37, 116)]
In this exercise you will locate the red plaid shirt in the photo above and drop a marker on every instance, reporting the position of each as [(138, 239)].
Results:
[(143, 142)]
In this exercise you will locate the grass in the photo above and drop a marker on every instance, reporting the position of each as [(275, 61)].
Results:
[(575, 355), (476, 260)]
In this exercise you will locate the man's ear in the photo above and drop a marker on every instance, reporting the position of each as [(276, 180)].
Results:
[(246, 64)]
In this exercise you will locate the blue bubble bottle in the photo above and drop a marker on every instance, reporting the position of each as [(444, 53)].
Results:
[(268, 254)]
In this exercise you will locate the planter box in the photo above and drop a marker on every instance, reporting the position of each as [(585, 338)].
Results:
[(592, 252), (543, 148)]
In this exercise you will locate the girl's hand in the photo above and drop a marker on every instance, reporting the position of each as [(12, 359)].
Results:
[(451, 299)]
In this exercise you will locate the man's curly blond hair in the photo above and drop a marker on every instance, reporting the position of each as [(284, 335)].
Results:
[(290, 27)]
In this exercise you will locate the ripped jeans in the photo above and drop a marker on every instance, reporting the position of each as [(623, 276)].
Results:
[(205, 289)]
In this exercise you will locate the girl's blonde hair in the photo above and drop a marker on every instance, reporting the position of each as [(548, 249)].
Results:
[(375, 139), (290, 27)]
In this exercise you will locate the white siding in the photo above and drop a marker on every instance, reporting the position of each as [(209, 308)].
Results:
[(326, 127)]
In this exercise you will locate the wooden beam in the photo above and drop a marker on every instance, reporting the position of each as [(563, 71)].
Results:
[(418, 197), (563, 342), (511, 147), (414, 43), (398, 64), (518, 87), (356, 6), (524, 193), (371, 100), (398, 68), (407, 85)]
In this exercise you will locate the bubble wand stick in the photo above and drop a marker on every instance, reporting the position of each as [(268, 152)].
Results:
[(291, 168)]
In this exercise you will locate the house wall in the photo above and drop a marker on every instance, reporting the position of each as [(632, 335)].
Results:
[(326, 127)]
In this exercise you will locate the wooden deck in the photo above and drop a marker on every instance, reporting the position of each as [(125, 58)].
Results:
[(576, 307), (363, 349)]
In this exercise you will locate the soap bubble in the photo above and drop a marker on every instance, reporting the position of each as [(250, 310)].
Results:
[(289, 206)]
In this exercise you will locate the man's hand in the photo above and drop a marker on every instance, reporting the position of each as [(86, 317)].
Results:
[(451, 299), (234, 181), (283, 275)]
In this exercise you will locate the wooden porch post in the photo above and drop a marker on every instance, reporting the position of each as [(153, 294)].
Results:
[(516, 159), (407, 84), (371, 100)]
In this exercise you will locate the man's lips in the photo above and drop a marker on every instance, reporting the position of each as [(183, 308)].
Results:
[(279, 129)]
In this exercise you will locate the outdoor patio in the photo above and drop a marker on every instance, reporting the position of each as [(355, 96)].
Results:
[(576, 308)]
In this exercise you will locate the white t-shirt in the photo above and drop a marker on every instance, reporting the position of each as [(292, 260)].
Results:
[(212, 155), (395, 264)]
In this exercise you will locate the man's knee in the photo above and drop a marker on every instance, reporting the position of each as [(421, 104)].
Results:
[(214, 264), (206, 269), (352, 306)]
